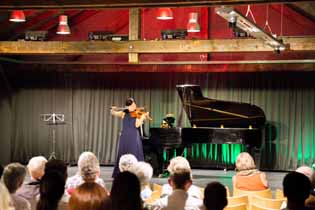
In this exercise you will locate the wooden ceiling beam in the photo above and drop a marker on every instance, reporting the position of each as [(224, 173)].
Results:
[(264, 67), (153, 46), (93, 4)]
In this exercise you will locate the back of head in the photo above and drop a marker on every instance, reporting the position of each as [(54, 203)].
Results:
[(296, 187), (13, 176), (215, 196), (57, 165), (126, 162), (244, 161), (181, 177), (143, 171), (306, 170), (125, 193), (52, 186), (89, 166), (178, 160), (89, 196), (36, 167)]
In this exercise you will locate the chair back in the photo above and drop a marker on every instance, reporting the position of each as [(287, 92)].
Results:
[(267, 202), (235, 200), (279, 194), (241, 206), (256, 207)]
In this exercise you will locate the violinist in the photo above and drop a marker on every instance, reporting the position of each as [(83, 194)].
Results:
[(129, 140)]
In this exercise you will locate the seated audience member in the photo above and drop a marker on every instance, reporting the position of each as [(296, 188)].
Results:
[(87, 164), (215, 196), (30, 189), (144, 172), (13, 177), (52, 187), (193, 189), (125, 193), (307, 171), (180, 181), (247, 176), (57, 165), (126, 162), (89, 196), (5, 198), (296, 187), (310, 201)]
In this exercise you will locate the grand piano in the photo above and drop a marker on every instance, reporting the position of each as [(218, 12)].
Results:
[(212, 122)]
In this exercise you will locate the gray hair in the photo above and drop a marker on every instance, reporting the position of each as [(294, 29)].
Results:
[(179, 160), (88, 165), (126, 162), (36, 166), (13, 176), (143, 171)]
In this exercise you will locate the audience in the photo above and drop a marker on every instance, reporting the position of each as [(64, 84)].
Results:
[(193, 189), (247, 176), (89, 196), (215, 196), (13, 177), (52, 186), (180, 180), (144, 172), (30, 189), (125, 193), (5, 198), (296, 187), (57, 165), (310, 201), (88, 170), (126, 162), (307, 171)]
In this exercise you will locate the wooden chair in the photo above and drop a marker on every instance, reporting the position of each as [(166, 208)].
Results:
[(154, 196), (267, 202), (262, 193), (279, 194), (241, 206), (255, 207), (227, 191), (157, 187), (235, 200)]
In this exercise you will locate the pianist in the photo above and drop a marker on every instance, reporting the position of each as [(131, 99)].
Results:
[(168, 121)]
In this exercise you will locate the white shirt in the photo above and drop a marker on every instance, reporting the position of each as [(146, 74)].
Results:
[(178, 200), (193, 191)]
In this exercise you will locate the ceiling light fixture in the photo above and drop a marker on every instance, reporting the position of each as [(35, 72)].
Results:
[(165, 13), (63, 28), (17, 16), (237, 20), (193, 25)]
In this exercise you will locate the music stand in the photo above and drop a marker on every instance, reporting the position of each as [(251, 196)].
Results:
[(53, 119)]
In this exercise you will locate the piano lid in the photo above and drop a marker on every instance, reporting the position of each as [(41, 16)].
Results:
[(206, 112)]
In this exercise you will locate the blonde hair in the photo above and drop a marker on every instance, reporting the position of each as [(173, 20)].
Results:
[(179, 160), (5, 198), (245, 162)]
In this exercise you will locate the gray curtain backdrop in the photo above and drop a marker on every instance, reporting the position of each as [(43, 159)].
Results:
[(288, 100)]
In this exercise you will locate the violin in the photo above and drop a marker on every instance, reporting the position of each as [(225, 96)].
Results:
[(138, 113)]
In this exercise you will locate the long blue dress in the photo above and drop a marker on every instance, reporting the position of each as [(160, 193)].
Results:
[(129, 141)]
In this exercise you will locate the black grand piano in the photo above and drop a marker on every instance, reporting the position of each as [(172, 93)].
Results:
[(213, 122)]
